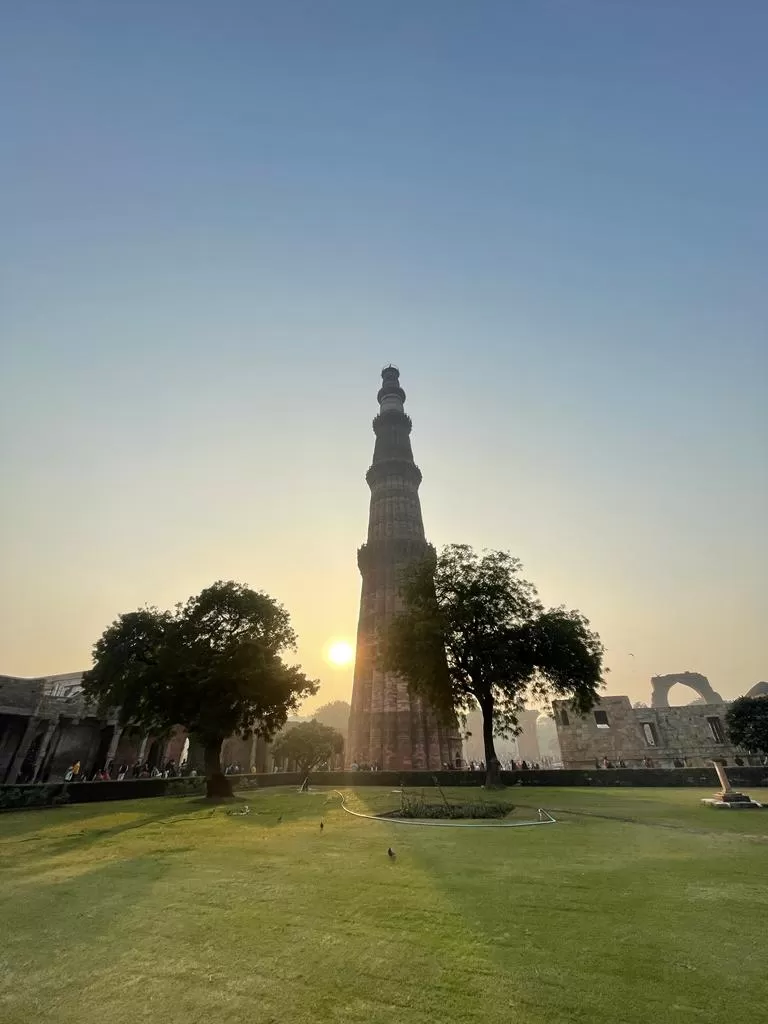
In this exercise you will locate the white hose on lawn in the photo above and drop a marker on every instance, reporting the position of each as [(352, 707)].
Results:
[(545, 818)]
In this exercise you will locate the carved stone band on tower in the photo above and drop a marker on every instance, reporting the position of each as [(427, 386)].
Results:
[(388, 726)]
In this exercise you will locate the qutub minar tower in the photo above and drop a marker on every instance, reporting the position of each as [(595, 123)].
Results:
[(388, 727)]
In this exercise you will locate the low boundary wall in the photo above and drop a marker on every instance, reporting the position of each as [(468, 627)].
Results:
[(53, 794)]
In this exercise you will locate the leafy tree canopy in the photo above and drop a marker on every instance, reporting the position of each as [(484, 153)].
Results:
[(308, 744), (747, 724), (214, 665), (474, 633), (335, 714)]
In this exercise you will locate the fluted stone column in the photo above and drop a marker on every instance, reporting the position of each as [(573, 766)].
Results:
[(22, 750), (44, 746), (142, 749), (389, 726), (117, 732)]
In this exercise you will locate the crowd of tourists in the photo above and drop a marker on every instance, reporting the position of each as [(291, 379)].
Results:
[(170, 770), (677, 762), (138, 770), (459, 766), (507, 766)]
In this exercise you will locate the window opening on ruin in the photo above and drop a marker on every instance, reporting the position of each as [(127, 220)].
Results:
[(564, 718), (601, 719), (716, 728), (650, 734)]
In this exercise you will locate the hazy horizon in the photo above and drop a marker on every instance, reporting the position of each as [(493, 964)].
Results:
[(220, 223)]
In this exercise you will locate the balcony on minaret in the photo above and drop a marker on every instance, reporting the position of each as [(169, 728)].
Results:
[(391, 396)]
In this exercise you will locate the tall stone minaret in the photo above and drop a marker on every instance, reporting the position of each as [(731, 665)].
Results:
[(389, 727)]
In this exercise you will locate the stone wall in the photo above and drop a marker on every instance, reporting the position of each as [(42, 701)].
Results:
[(694, 734), (90, 792), (19, 696)]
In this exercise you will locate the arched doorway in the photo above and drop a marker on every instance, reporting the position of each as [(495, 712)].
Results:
[(661, 685)]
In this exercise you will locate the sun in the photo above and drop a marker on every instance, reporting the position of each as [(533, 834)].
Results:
[(340, 652)]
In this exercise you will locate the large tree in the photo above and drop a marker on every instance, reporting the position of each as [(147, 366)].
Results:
[(473, 633), (335, 714), (308, 744), (747, 723), (214, 665)]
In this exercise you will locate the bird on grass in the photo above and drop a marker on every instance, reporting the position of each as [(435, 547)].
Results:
[(322, 826), (280, 820), (390, 853)]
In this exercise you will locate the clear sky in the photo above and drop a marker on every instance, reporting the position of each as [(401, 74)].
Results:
[(220, 219)]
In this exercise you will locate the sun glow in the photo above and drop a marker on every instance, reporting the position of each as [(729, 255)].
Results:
[(340, 652)]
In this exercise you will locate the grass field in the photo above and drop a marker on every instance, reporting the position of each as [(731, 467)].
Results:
[(637, 906)]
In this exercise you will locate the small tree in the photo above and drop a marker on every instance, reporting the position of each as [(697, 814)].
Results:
[(473, 633), (747, 723), (308, 744), (214, 665)]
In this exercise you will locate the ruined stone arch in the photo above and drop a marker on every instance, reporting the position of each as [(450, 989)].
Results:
[(661, 685)]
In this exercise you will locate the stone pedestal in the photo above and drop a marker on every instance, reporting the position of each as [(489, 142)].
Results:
[(727, 798), (735, 798)]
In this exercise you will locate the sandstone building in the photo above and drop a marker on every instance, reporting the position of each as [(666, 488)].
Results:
[(667, 736), (46, 725)]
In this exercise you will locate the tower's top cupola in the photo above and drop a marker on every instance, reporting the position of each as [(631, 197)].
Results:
[(391, 395)]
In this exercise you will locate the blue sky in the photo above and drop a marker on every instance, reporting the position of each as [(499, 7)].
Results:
[(220, 221)]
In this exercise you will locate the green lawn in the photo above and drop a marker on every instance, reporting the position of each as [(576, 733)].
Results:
[(638, 906)]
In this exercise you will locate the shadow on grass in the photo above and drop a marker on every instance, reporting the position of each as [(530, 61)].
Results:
[(591, 891), (81, 908), (83, 838)]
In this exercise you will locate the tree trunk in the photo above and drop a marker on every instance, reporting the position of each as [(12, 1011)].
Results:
[(492, 777), (217, 785), (304, 770)]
